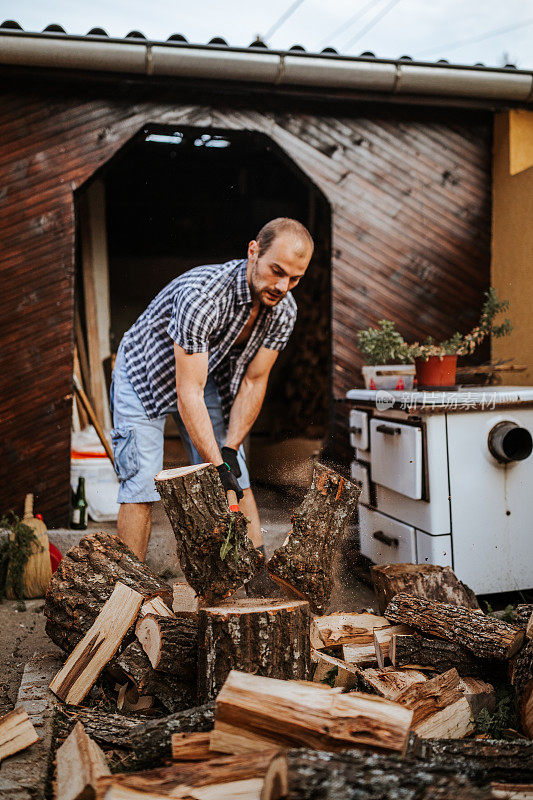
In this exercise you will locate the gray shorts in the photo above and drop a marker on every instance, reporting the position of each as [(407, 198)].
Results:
[(138, 441)]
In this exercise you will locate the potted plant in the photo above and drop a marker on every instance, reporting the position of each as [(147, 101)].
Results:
[(435, 364), (389, 364)]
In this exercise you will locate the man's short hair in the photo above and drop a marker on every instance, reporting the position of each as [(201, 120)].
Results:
[(272, 229)]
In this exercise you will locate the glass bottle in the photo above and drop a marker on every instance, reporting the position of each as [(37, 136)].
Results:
[(78, 519)]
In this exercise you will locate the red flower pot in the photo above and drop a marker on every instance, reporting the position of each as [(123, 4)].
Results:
[(436, 370)]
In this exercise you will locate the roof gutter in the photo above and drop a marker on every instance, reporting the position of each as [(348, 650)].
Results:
[(60, 51)]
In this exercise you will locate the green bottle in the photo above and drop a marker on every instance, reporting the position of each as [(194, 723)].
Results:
[(78, 519)]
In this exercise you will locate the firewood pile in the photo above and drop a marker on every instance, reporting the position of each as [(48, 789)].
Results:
[(212, 696)]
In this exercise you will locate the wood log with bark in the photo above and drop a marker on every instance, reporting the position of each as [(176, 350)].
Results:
[(441, 711), (83, 666), (264, 637), (174, 693), (79, 765), (414, 650), (175, 779), (171, 644), (522, 680), (84, 581), (303, 564), (151, 741), (185, 601), (16, 732), (346, 676), (308, 774), (484, 636), (213, 548), (481, 760), (252, 712), (523, 614), (107, 728), (479, 694), (422, 580)]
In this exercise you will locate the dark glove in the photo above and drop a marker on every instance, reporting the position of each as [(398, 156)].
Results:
[(230, 457), (229, 481)]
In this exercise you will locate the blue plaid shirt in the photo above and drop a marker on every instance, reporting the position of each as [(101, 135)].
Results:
[(203, 310)]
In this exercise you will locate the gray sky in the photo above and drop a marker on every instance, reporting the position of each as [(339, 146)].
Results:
[(424, 29)]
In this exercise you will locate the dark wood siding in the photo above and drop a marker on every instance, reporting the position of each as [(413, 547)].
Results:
[(410, 196)]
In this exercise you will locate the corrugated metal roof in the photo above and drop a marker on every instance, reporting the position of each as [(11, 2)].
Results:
[(219, 41)]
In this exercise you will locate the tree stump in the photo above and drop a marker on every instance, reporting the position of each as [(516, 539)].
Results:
[(423, 580), (303, 564), (213, 547), (264, 637), (486, 637), (309, 774), (85, 580)]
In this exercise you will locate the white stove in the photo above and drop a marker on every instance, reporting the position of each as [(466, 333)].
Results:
[(447, 478)]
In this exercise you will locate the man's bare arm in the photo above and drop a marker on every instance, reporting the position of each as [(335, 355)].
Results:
[(191, 377), (250, 396)]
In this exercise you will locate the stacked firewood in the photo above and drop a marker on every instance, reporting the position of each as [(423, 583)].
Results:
[(246, 680)]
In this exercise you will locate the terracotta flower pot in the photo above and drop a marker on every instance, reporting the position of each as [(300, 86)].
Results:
[(436, 370)]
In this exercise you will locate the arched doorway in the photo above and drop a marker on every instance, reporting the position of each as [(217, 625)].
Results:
[(179, 196)]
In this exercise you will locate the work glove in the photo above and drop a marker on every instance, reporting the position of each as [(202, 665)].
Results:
[(229, 481), (230, 457)]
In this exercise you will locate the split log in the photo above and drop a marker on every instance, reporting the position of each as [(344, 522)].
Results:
[(421, 580), (486, 637), (16, 732), (84, 581), (79, 764), (151, 741), (171, 644), (481, 760), (414, 650), (512, 791), (479, 694), (441, 711), (348, 676), (185, 601), (192, 747), (198, 511), (367, 654), (523, 614), (105, 727), (390, 682), (340, 629), (155, 606), (308, 774), (253, 712), (173, 693), (522, 680), (83, 666), (264, 637), (173, 780), (303, 564)]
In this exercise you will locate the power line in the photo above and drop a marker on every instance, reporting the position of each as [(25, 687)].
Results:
[(349, 22), (374, 21), (284, 17), (474, 39)]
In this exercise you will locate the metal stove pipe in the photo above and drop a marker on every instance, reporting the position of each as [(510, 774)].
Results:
[(509, 442)]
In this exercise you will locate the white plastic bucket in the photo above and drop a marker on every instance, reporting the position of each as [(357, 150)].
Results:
[(88, 460), (392, 377)]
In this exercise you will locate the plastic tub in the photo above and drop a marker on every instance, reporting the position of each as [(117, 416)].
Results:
[(390, 377)]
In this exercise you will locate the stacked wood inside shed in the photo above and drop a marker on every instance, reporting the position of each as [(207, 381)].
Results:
[(221, 697)]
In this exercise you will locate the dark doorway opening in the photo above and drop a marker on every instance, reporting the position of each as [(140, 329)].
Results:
[(178, 197)]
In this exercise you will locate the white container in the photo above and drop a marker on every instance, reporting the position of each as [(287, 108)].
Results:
[(390, 377), (89, 460)]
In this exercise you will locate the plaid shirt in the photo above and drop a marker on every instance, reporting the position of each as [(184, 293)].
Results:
[(203, 310)]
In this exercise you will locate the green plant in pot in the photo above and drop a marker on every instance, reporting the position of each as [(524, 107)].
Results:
[(435, 364), (387, 357)]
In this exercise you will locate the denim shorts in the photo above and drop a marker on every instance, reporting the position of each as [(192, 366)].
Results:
[(138, 441)]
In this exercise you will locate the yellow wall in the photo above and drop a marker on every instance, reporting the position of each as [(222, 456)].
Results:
[(512, 236)]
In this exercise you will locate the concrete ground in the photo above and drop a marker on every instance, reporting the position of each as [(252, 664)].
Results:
[(23, 632)]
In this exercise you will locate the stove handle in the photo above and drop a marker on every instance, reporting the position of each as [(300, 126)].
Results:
[(390, 541), (357, 431), (389, 430)]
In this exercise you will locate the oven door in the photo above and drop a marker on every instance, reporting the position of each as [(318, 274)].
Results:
[(396, 456), (385, 540)]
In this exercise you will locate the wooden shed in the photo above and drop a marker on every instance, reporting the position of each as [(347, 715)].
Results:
[(125, 162)]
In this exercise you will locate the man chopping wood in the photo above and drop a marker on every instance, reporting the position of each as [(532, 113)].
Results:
[(203, 351)]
